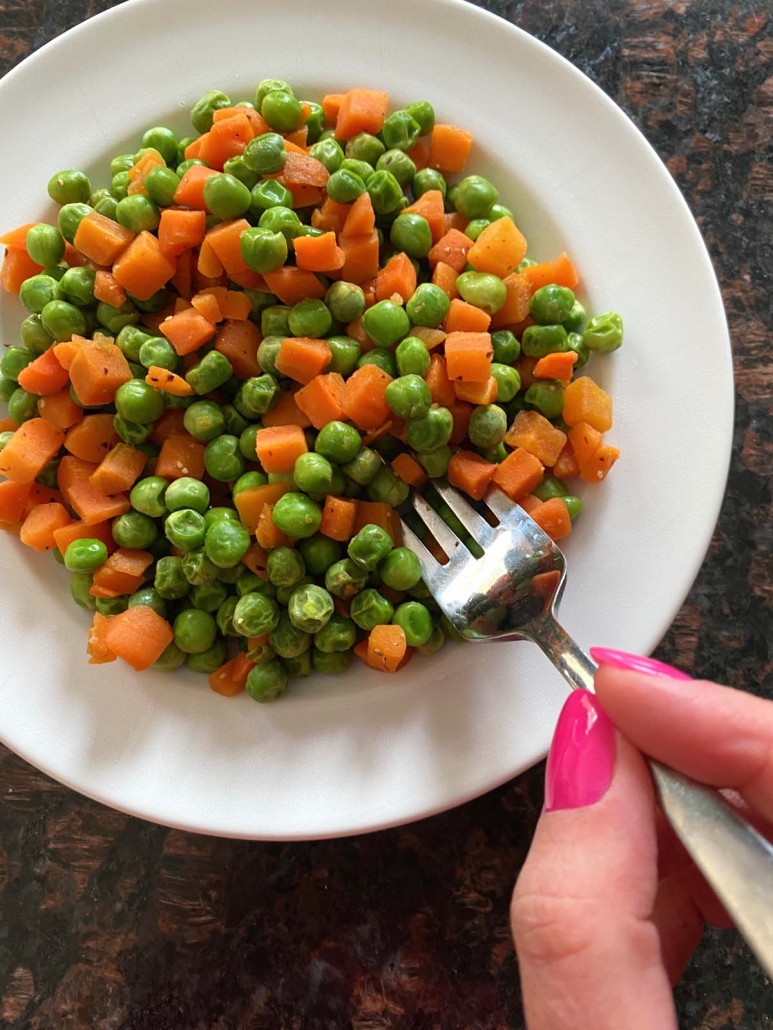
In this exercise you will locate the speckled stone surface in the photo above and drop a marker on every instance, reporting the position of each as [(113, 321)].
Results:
[(107, 922)]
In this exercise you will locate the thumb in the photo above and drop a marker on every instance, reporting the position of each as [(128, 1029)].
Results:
[(588, 954)]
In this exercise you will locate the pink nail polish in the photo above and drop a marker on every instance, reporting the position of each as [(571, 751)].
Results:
[(582, 756), (635, 663)]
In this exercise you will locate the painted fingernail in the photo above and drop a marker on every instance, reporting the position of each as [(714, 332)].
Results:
[(635, 663), (581, 761)]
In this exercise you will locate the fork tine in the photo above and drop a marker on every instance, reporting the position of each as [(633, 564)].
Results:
[(430, 565), (476, 526), (447, 539), (499, 503)]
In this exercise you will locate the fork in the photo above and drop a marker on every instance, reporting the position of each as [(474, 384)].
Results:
[(512, 593)]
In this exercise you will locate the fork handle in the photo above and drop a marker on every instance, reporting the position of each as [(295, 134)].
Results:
[(735, 859)]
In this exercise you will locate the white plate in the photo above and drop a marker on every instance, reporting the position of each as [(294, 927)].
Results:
[(368, 752)]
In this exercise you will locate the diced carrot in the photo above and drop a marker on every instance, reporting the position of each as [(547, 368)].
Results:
[(520, 473), (29, 450), (193, 149), (286, 413), (207, 304), (557, 365), (469, 472), (299, 137), (445, 277), (37, 530), (365, 397), (516, 306), (361, 257), (123, 571), (107, 290), (168, 382), (499, 249), (553, 517), (322, 399), (190, 192), (224, 240), (331, 105), (584, 440), (187, 331), (250, 503), (357, 332), (449, 148), (440, 386), (452, 249), (466, 318), (92, 506), (96, 645), (456, 220), (223, 680), (529, 503), (13, 500), (143, 268), (376, 513), (255, 560), (338, 518), (17, 267), (16, 239), (566, 466), (318, 253), (584, 401), (361, 219), (235, 306), (409, 470), (525, 366), (209, 264), (303, 196), (71, 471), (181, 230), (431, 207), (431, 338), (8, 424), (119, 470), (291, 285), (66, 350), (331, 216), (44, 376), (419, 154), (60, 409), (387, 428), (599, 463), (171, 423), (100, 239), (92, 438), (301, 358), (397, 276), (180, 456), (361, 110), (139, 636), (537, 435), (476, 393), (139, 171), (227, 138), (461, 412), (561, 271), (301, 170), (239, 342), (256, 120), (97, 370), (469, 356), (103, 531), (279, 447), (268, 534), (387, 648)]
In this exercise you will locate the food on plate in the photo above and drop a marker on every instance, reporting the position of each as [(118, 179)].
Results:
[(243, 353)]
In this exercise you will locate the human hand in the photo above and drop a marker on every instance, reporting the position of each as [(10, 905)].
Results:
[(608, 907)]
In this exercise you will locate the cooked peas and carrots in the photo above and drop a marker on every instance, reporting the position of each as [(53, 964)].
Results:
[(242, 355)]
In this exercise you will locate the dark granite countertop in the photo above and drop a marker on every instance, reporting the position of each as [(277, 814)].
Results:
[(107, 922)]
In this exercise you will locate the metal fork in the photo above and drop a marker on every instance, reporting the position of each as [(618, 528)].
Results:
[(512, 593)]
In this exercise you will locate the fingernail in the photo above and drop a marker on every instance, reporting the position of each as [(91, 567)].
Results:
[(635, 663), (581, 761)]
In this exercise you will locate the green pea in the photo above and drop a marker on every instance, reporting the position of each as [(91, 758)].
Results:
[(401, 131), (428, 306), (85, 555), (148, 597), (436, 640), (226, 543), (266, 154), (285, 567), (344, 186), (310, 318), (247, 444), (578, 345), (551, 304), (122, 163), (333, 663), (34, 335), (262, 249), (185, 528), (338, 442), (147, 496), (345, 353), (508, 382), (388, 488), (130, 340), (400, 570), (45, 244), (267, 682), (345, 578), (432, 431), (112, 605), (187, 492), (415, 621), (208, 597), (370, 609), (297, 515), (409, 397), (133, 433), (398, 165), (77, 286), (256, 396), (119, 188), (210, 660), (62, 320), (428, 179), (506, 347), (22, 405), (69, 187), (475, 197), (547, 397), (310, 607), (80, 586), (223, 458), (365, 147), (412, 357), (212, 372), (198, 568), (170, 581), (172, 657), (70, 217), (369, 546), (15, 360), (319, 553), (411, 234), (328, 153), (539, 340), (340, 634), (423, 113), (160, 353), (488, 426), (482, 289), (574, 506), (281, 110), (138, 401), (5, 438), (476, 227), (161, 184), (575, 320), (183, 166), (550, 487), (225, 196), (287, 640), (386, 323), (381, 358), (194, 631), (138, 213), (364, 466), (235, 424), (275, 320), (134, 530), (271, 86), (114, 319), (269, 193), (203, 110), (38, 291), (255, 615), (435, 463), (603, 333), (359, 168)]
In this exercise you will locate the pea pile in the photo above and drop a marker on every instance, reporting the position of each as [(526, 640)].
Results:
[(242, 354)]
